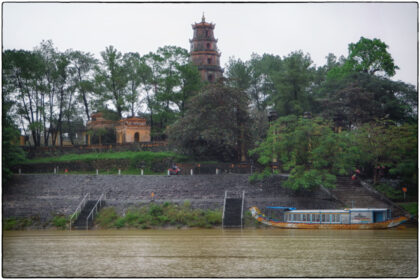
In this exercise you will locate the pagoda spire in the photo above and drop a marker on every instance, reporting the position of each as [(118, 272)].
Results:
[(204, 52)]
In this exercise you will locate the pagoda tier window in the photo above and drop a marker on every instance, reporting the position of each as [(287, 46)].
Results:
[(208, 60), (208, 45)]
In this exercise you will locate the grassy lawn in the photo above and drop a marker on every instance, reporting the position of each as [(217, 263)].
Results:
[(141, 155)]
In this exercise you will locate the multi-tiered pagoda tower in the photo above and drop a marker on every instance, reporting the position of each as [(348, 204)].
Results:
[(204, 52)]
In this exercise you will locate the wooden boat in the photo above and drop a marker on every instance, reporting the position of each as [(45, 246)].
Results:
[(350, 218)]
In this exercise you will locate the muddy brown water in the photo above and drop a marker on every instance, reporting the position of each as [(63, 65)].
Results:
[(211, 253)]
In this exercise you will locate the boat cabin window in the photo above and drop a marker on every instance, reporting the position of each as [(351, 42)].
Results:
[(315, 217)]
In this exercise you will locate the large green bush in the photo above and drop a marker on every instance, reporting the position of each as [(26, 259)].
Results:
[(59, 221), (159, 215)]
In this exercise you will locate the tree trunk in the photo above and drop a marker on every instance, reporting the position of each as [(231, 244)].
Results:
[(84, 96), (60, 117)]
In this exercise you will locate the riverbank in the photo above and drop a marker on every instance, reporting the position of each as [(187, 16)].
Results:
[(150, 216), (46, 201), (153, 216)]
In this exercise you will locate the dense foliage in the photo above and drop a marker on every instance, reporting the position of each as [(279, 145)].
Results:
[(12, 154), (55, 89), (308, 149), (214, 125), (356, 117)]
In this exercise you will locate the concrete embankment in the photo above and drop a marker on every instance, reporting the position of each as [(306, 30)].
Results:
[(48, 195)]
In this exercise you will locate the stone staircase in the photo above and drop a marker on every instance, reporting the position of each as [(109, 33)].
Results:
[(233, 207), (352, 194), (80, 223)]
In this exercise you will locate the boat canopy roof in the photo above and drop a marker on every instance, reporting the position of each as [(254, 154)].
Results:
[(281, 207), (366, 209), (320, 211), (347, 210)]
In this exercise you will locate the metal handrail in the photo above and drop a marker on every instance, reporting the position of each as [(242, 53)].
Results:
[(79, 208), (224, 206), (95, 208), (242, 210)]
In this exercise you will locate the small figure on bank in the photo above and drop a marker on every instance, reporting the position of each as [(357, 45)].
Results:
[(174, 170), (357, 173)]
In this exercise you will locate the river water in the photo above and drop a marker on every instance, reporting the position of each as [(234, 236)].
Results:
[(211, 253)]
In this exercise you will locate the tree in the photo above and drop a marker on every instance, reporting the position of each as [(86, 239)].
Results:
[(384, 144), (358, 98), (238, 74), (12, 154), (254, 77), (23, 74), (170, 81), (83, 65), (214, 125), (134, 66), (65, 91), (308, 149), (291, 83), (152, 86), (168, 95), (111, 79), (263, 69), (190, 85), (371, 56)]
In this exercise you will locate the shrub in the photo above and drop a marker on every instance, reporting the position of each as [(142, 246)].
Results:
[(214, 217), (160, 215), (106, 217), (10, 224), (145, 219), (411, 207), (120, 222), (389, 191), (187, 204), (163, 219), (132, 218), (155, 210), (250, 221), (17, 223), (145, 226), (59, 222), (267, 172)]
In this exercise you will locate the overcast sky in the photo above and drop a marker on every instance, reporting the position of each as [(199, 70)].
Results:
[(242, 29)]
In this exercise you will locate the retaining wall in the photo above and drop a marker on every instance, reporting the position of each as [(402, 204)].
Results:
[(48, 195)]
